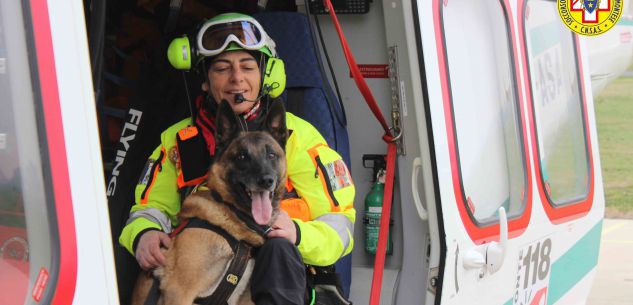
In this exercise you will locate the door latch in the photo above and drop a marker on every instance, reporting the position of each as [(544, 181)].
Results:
[(489, 257)]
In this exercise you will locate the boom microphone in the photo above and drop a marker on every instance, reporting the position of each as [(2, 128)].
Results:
[(239, 98)]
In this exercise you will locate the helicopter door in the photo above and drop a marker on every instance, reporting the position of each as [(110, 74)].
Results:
[(481, 151), (512, 233)]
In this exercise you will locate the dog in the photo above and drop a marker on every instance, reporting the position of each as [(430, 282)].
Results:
[(245, 185)]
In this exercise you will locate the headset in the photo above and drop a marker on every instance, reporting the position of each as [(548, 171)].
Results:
[(181, 54)]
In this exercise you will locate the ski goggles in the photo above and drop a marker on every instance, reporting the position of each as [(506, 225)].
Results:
[(214, 37)]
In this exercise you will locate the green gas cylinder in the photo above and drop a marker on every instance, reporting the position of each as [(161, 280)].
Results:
[(373, 212)]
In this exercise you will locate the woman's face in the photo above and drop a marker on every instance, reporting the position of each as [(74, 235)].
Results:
[(231, 73)]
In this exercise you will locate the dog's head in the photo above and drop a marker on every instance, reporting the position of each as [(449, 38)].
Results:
[(250, 167)]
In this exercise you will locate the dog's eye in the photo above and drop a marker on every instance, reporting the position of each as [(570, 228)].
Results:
[(272, 156), (240, 157)]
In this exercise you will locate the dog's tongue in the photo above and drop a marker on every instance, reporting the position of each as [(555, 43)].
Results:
[(261, 208)]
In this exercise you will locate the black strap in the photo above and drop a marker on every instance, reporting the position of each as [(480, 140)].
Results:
[(172, 19), (231, 277), (295, 101), (203, 224), (153, 294)]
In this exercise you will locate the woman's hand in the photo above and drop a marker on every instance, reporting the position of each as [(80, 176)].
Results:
[(148, 250), (284, 227)]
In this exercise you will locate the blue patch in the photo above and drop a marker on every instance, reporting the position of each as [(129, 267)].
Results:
[(147, 171), (590, 5)]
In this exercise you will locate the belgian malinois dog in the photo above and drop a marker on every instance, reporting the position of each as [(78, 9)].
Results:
[(246, 183)]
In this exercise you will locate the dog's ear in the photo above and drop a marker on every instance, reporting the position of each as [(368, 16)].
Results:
[(275, 123), (227, 126)]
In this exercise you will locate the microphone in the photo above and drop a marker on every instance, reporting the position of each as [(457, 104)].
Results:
[(239, 98)]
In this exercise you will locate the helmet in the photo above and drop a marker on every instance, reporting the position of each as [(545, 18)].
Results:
[(228, 32)]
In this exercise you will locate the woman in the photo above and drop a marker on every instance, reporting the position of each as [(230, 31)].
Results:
[(240, 66)]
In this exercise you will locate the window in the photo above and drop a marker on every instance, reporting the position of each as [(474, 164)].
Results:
[(560, 137), (25, 238), (488, 145)]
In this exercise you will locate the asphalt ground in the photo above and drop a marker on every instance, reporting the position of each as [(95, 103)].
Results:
[(613, 284)]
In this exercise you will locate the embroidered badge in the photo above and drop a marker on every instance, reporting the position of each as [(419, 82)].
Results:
[(590, 17), (338, 174), (147, 171), (174, 157)]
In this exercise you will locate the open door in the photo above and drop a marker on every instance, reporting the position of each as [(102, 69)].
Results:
[(482, 157), (514, 172)]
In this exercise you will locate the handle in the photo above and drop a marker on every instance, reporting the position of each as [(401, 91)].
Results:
[(417, 164), (490, 255), (497, 251)]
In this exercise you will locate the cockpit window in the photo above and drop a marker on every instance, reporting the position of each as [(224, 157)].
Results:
[(488, 131), (557, 103), (26, 253)]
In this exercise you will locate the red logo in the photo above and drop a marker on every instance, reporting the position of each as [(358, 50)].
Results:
[(590, 9), (373, 71), (40, 285)]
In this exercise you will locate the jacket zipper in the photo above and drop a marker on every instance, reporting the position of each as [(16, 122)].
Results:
[(327, 180), (156, 165)]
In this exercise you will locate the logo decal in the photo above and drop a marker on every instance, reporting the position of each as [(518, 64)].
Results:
[(338, 174), (147, 171), (590, 17), (232, 278), (533, 273)]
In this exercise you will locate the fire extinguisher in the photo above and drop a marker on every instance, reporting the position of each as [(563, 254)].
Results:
[(373, 205)]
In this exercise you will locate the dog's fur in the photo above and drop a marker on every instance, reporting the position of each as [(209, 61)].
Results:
[(247, 164)]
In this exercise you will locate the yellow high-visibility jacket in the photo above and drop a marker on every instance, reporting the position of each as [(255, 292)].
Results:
[(324, 212)]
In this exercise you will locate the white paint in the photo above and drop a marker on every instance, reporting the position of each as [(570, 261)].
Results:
[(96, 279)]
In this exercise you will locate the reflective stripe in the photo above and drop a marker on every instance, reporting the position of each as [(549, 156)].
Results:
[(154, 215), (342, 225)]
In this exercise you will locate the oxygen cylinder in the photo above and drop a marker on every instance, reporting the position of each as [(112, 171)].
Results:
[(373, 212)]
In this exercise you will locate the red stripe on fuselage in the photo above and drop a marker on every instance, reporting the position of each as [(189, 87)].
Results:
[(67, 277)]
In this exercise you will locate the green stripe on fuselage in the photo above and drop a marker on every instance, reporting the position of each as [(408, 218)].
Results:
[(574, 265), (627, 22)]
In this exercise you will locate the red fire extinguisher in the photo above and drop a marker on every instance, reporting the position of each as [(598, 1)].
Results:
[(373, 205)]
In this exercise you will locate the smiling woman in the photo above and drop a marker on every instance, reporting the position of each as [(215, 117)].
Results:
[(231, 74)]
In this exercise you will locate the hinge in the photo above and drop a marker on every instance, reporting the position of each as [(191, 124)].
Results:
[(398, 106)]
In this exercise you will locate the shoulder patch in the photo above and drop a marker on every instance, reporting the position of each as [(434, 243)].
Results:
[(174, 157), (147, 171), (338, 174)]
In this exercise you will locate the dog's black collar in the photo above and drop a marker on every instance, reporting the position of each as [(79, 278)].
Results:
[(243, 216)]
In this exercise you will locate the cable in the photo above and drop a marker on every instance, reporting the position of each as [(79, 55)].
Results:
[(343, 121), (184, 79)]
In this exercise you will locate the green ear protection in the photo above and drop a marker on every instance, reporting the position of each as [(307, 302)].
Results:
[(274, 80), (181, 55)]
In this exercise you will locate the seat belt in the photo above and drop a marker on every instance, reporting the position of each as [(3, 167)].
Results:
[(295, 101), (390, 139)]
